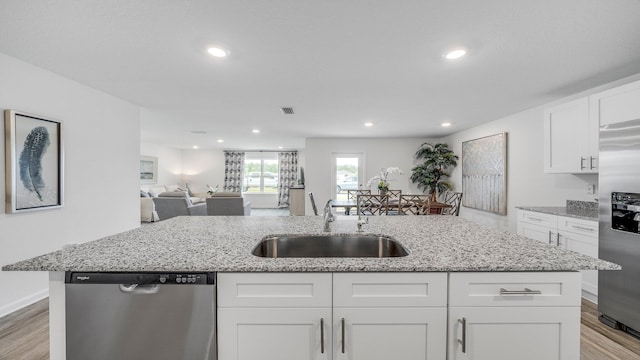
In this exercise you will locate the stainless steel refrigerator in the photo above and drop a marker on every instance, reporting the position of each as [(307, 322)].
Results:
[(619, 215)]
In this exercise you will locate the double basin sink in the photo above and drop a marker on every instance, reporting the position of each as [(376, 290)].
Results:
[(330, 245)]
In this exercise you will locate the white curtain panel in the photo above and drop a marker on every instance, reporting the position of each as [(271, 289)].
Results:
[(233, 171), (288, 175)]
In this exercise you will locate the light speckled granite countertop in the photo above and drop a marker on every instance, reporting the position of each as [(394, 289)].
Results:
[(586, 210), (216, 243)]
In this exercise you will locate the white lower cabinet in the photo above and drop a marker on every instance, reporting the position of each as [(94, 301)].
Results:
[(527, 316), (280, 333), (371, 316), (569, 233), (382, 316), (408, 316), (389, 333), (507, 333)]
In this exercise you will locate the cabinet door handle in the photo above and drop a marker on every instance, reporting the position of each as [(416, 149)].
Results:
[(526, 291), (463, 342), (342, 324), (583, 228), (550, 234), (532, 218), (558, 241), (582, 167), (322, 335), (591, 158)]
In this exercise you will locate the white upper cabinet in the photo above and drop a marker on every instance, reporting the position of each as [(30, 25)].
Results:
[(617, 105), (570, 139)]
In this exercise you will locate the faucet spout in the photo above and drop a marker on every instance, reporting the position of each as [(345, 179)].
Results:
[(328, 217)]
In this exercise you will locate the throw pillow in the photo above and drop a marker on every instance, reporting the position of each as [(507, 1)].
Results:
[(144, 193)]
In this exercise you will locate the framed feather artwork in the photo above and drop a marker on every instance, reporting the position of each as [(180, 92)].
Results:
[(33, 161)]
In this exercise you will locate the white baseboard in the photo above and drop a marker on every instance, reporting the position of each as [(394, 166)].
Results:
[(589, 296), (25, 301)]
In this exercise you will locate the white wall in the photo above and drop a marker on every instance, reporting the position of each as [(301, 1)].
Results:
[(169, 163), (378, 153), (101, 147), (527, 184)]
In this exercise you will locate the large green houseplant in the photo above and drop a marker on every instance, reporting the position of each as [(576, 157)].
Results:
[(432, 173)]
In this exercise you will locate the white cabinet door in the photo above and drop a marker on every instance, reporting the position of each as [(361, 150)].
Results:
[(274, 333), (390, 333), (537, 232), (587, 245), (567, 136), (537, 226), (507, 333), (616, 105)]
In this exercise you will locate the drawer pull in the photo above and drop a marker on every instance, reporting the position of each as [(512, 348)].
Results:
[(534, 219), (583, 228), (342, 324), (526, 291), (463, 342), (322, 335)]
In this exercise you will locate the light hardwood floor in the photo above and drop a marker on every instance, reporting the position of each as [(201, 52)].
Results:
[(24, 335)]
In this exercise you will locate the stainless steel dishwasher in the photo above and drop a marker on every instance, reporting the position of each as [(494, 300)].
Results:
[(127, 316)]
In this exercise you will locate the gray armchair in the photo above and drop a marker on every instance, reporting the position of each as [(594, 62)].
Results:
[(228, 204), (171, 206)]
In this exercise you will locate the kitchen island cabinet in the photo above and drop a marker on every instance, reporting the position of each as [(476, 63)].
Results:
[(439, 247)]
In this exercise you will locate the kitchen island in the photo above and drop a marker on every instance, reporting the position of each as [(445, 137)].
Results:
[(460, 281)]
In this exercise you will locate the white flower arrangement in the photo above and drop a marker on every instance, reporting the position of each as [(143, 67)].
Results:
[(383, 178)]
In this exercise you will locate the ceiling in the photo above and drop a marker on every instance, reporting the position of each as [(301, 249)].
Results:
[(338, 63)]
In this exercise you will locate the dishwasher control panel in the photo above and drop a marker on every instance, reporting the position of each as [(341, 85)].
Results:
[(140, 278)]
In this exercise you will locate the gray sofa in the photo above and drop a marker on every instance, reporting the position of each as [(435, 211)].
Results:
[(228, 204), (169, 205)]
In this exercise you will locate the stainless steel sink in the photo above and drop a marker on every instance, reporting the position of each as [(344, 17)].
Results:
[(346, 245)]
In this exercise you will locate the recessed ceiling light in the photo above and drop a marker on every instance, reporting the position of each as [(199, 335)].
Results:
[(368, 124), (455, 54), (445, 124), (220, 140), (217, 52), (195, 146), (255, 131), (280, 147)]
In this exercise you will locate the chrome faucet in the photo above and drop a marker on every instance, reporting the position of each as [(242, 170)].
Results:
[(328, 216)]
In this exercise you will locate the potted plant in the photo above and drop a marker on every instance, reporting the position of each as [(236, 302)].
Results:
[(383, 179), (431, 174)]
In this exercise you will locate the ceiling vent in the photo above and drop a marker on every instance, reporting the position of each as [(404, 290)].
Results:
[(287, 110)]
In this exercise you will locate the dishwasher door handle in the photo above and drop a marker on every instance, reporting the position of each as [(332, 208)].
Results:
[(137, 289)]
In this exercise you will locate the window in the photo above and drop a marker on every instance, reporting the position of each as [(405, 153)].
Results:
[(348, 173), (260, 173)]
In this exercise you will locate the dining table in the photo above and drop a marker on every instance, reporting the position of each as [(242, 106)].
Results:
[(346, 204)]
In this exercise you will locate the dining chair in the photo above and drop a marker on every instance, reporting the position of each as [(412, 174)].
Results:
[(353, 194), (414, 205), (313, 204), (394, 194), (368, 204), (454, 199)]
